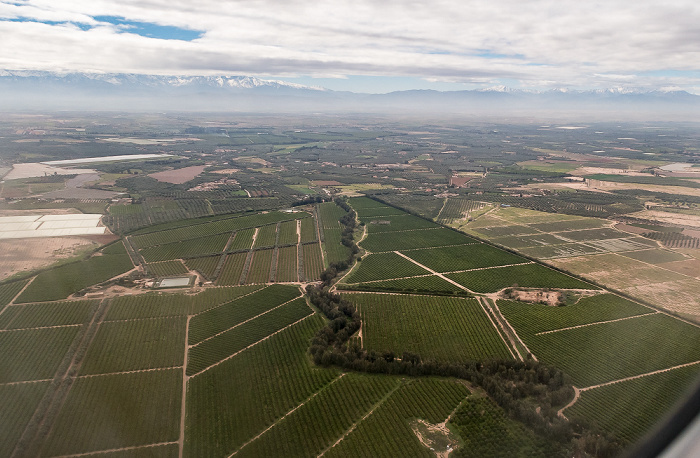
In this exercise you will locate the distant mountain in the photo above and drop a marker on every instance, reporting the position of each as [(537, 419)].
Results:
[(26, 90)]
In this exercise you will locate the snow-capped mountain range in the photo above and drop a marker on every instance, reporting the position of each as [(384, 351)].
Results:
[(37, 90)]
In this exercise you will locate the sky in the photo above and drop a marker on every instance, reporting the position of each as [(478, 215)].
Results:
[(366, 45)]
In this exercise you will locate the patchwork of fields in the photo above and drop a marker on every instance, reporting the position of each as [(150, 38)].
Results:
[(594, 249), (254, 249), (225, 369)]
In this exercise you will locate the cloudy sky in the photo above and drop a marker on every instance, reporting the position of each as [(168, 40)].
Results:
[(366, 45)]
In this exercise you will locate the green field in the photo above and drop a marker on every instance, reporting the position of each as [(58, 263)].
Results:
[(167, 268), (331, 412), (229, 342), (205, 266), (260, 267), (9, 290), (61, 282), (187, 248), (261, 385), (423, 284), (48, 314), (243, 240), (387, 431), (380, 242), (33, 354), (267, 236), (232, 270), (383, 266), (610, 351), (157, 305), (230, 314), (403, 222), (288, 233), (528, 275), (645, 401), (287, 261), (312, 260), (487, 431), (474, 256), (121, 346), (438, 328), (19, 403), (335, 251), (530, 319), (144, 405)]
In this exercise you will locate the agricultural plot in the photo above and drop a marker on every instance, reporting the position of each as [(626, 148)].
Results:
[(157, 305), (522, 241), (335, 250), (287, 261), (610, 351), (501, 231), (259, 271), (205, 266), (220, 346), (360, 204), (167, 268), (438, 328), (403, 222), (233, 268), (49, 314), (379, 212), (463, 257), (221, 226), (329, 214), (144, 405), (571, 225), (593, 234), (9, 290), (19, 403), (313, 261), (428, 238), (384, 266), (487, 431), (331, 412), (566, 250), (655, 256), (61, 282), (33, 354), (186, 249), (645, 401), (528, 276), (530, 319), (121, 346), (288, 233), (387, 431), (226, 316), (267, 235), (308, 231), (457, 209), (261, 385), (243, 240), (423, 284)]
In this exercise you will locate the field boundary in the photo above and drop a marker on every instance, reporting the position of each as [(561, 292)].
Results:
[(596, 323), (279, 420)]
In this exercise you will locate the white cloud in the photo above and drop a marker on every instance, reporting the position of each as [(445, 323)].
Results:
[(539, 43)]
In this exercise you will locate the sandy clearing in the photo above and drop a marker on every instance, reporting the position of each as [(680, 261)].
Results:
[(33, 254), (36, 169), (178, 176)]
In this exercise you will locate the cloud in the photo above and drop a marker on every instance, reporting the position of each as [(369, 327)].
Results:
[(539, 43)]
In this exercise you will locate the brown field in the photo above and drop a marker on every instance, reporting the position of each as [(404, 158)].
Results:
[(689, 267), (178, 176), (33, 254)]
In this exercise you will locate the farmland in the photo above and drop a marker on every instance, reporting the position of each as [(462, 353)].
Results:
[(434, 339), (443, 329)]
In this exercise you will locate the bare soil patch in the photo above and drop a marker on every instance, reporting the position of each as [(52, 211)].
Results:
[(33, 254), (689, 267), (178, 176), (536, 296), (438, 438)]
